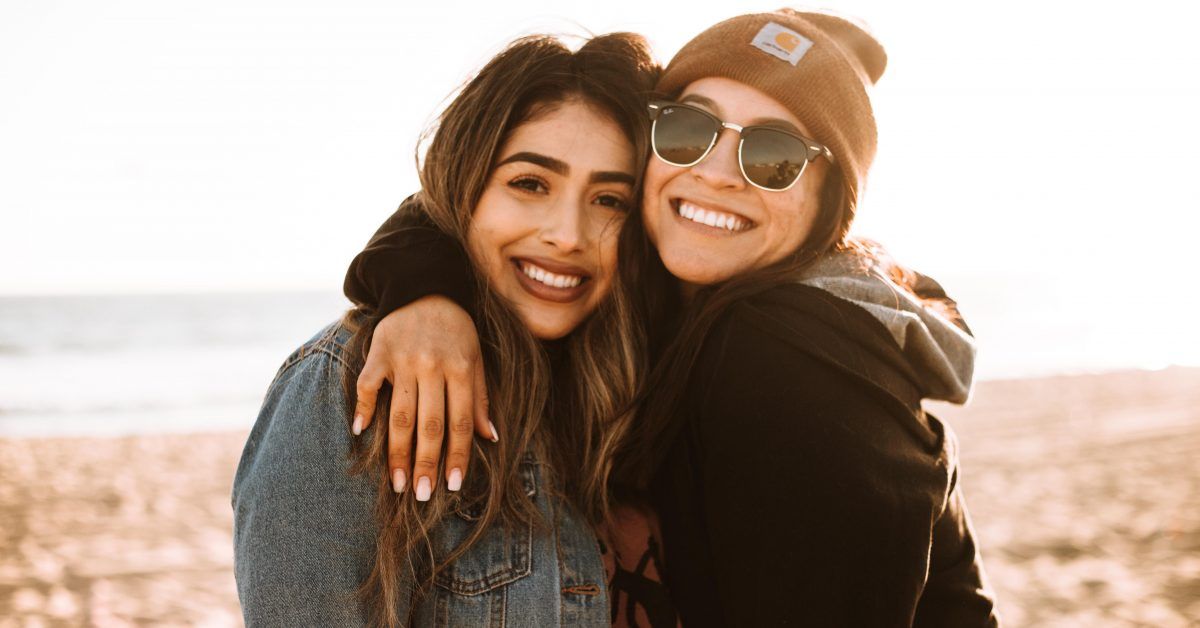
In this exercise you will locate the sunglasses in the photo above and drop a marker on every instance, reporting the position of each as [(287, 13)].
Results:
[(770, 158)]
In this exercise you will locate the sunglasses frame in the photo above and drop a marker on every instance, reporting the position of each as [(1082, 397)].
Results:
[(812, 148)]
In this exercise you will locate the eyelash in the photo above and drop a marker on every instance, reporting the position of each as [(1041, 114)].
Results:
[(618, 202), (520, 184), (523, 183)]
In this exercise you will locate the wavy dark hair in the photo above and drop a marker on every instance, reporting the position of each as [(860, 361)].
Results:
[(573, 415)]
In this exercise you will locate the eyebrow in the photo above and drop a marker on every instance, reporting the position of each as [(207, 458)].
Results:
[(703, 100), (766, 121), (609, 176), (557, 166), (561, 168)]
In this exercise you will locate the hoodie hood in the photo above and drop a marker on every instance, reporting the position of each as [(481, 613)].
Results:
[(940, 352)]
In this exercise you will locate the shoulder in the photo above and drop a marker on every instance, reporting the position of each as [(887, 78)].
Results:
[(815, 322), (303, 525), (328, 347), (796, 327), (797, 365), (303, 426)]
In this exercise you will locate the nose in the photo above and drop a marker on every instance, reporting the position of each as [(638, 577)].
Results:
[(566, 224), (719, 169)]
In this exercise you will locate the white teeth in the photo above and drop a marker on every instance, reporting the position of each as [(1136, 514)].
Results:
[(711, 218), (550, 279)]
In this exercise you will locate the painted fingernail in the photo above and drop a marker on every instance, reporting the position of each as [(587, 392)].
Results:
[(454, 482), (495, 434), (358, 421), (398, 480), (424, 489)]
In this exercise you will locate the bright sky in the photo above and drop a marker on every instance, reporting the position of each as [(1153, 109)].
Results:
[(244, 145)]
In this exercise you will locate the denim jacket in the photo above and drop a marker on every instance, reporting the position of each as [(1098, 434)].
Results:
[(305, 533)]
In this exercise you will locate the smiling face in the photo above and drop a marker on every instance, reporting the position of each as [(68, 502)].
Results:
[(708, 223), (545, 229)]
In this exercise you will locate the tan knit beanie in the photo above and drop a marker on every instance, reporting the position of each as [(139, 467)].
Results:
[(817, 64)]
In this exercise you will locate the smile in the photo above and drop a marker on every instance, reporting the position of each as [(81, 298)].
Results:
[(554, 280), (711, 217), (558, 284)]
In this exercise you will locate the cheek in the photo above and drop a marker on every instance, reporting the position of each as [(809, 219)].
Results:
[(651, 214), (797, 216), (486, 240), (608, 245)]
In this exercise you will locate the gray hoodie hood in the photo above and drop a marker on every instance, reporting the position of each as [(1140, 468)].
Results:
[(939, 351)]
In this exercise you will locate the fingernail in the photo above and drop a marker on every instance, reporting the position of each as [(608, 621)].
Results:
[(495, 434), (358, 421), (398, 480), (424, 489), (454, 482)]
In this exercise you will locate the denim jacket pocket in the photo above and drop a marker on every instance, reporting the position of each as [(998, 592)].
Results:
[(501, 556)]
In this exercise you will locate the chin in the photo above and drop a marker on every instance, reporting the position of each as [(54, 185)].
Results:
[(697, 270), (548, 327)]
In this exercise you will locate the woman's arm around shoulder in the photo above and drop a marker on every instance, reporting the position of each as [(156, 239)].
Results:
[(409, 258)]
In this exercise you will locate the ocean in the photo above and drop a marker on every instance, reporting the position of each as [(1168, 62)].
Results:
[(103, 365), (89, 365)]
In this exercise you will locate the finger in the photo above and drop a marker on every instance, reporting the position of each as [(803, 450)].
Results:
[(400, 432), (370, 380), (460, 410), (431, 423), (483, 425)]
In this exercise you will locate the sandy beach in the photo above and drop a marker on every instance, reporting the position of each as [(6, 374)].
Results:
[(1084, 490)]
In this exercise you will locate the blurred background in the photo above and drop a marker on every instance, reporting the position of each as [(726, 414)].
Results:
[(182, 186)]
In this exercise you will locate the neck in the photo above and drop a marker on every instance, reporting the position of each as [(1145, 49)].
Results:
[(688, 290)]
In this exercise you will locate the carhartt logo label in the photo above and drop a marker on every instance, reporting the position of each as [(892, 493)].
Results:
[(782, 42)]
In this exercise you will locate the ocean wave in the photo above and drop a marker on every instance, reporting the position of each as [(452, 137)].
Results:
[(128, 406)]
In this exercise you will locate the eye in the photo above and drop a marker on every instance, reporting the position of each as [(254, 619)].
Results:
[(614, 201), (529, 184)]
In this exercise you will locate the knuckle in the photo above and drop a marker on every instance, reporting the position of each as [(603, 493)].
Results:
[(401, 419), (426, 462), (425, 360), (432, 426), (459, 366), (462, 425)]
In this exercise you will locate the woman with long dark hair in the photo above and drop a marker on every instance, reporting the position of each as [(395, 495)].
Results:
[(780, 434), (530, 174)]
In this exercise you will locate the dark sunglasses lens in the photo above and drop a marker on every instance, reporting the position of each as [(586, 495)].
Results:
[(681, 135), (772, 159)]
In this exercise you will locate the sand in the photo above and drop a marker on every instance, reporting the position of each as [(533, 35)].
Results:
[(1084, 490)]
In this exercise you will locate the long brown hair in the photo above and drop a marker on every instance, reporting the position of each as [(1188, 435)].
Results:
[(566, 408)]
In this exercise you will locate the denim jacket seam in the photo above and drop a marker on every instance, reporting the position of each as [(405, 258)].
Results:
[(327, 344)]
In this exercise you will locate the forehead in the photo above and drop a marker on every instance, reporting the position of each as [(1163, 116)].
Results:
[(737, 102), (574, 132)]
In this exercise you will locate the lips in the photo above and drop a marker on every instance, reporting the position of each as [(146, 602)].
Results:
[(710, 218), (551, 280)]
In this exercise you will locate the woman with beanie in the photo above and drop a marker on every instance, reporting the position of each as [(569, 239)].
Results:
[(534, 165), (780, 435)]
